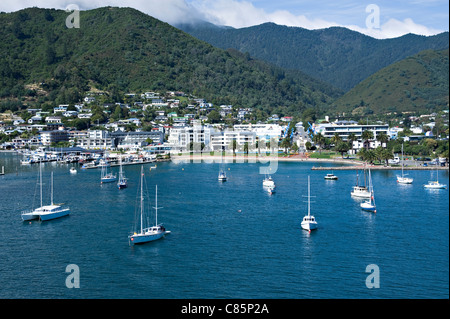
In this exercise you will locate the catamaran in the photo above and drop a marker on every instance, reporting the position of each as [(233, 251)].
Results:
[(403, 179), (309, 222), (46, 212), (149, 233), (369, 205)]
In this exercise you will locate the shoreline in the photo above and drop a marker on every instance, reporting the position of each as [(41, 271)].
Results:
[(352, 164)]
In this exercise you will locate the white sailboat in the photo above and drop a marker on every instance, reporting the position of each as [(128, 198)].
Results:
[(149, 233), (435, 184), (106, 177), (73, 170), (46, 212), (403, 179), (309, 221), (359, 190), (369, 205), (122, 183)]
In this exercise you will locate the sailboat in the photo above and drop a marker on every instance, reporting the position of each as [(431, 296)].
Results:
[(309, 222), (149, 233), (435, 184), (359, 190), (369, 205), (106, 177), (47, 212), (122, 183), (403, 179), (73, 170)]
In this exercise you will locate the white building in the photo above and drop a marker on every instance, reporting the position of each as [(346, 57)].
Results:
[(224, 140), (181, 137), (344, 130)]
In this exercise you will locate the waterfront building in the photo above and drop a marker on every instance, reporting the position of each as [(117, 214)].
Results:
[(49, 137), (344, 129)]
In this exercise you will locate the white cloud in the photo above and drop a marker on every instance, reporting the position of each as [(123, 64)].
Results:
[(240, 14), (235, 13)]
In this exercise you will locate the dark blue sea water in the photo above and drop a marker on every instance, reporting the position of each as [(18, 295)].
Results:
[(228, 240)]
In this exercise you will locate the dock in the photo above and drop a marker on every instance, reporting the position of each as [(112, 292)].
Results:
[(116, 163)]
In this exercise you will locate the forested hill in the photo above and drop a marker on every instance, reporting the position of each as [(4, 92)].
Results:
[(335, 55), (419, 83), (121, 50)]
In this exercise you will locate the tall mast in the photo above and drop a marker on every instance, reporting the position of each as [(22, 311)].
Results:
[(142, 197), (156, 205), (309, 198), (402, 159), (40, 177), (51, 197)]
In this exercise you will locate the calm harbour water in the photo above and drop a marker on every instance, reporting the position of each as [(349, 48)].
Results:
[(228, 240)]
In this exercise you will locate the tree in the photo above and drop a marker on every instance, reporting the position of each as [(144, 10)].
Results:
[(214, 117), (367, 135), (342, 147), (382, 137), (336, 138), (386, 155), (286, 143), (319, 139)]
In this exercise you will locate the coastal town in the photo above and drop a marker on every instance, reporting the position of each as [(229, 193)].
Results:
[(151, 125)]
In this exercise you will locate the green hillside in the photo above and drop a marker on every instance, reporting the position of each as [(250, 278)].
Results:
[(121, 50), (335, 55), (419, 83)]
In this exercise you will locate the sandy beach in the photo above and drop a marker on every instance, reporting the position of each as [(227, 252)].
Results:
[(350, 164)]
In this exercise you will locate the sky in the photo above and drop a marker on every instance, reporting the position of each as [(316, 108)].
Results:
[(377, 18)]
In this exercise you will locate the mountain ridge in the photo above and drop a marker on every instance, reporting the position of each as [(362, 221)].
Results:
[(336, 55), (122, 49)]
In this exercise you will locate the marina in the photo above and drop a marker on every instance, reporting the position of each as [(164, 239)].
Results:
[(219, 245)]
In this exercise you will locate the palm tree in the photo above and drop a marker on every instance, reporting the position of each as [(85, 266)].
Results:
[(382, 137), (336, 139), (386, 155), (286, 143), (367, 135), (319, 139)]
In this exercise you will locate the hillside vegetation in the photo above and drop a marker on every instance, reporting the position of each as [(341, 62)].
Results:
[(121, 50), (419, 83), (338, 56)]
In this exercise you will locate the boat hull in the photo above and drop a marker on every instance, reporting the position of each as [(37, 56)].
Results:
[(29, 216), (108, 180), (404, 180), (368, 207), (137, 239), (54, 215), (360, 194), (307, 225), (435, 186)]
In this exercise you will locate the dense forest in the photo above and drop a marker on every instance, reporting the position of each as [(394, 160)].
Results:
[(120, 50), (338, 56), (417, 84)]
